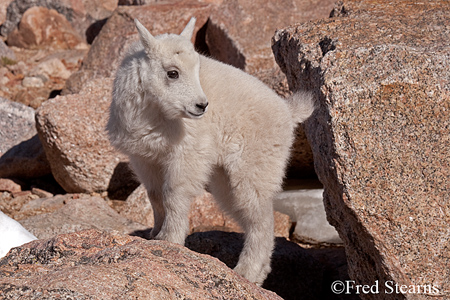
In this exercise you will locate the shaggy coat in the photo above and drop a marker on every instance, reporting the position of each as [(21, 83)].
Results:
[(187, 121)]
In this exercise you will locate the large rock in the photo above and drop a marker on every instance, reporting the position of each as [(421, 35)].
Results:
[(86, 16), (21, 152), (74, 213), (9, 185), (72, 131), (42, 28), (119, 33), (380, 137), (97, 265)]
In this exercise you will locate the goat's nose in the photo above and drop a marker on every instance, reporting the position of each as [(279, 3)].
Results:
[(202, 106)]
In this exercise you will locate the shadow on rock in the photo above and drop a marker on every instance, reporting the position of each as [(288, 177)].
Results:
[(122, 182), (297, 273)]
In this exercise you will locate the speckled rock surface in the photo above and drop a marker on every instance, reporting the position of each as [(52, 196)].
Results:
[(72, 131), (97, 265), (380, 136), (76, 212)]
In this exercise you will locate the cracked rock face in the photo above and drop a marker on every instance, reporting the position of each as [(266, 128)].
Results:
[(380, 135), (95, 265)]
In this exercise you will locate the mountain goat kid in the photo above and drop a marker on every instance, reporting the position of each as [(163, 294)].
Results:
[(187, 121)]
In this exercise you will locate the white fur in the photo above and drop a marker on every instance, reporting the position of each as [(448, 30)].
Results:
[(239, 147)]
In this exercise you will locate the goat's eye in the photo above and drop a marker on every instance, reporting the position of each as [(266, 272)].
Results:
[(173, 74)]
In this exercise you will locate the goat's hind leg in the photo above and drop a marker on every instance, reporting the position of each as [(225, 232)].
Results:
[(256, 218), (252, 208)]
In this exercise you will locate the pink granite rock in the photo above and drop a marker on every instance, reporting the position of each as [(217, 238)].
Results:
[(98, 265), (380, 136), (205, 215), (9, 186), (86, 16), (72, 131), (72, 213), (42, 28)]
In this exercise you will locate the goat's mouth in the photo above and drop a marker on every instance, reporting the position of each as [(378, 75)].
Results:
[(197, 112), (194, 115)]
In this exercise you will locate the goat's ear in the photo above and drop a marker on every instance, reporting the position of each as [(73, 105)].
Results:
[(189, 29), (146, 37)]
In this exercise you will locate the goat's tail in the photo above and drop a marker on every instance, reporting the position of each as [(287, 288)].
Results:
[(302, 105)]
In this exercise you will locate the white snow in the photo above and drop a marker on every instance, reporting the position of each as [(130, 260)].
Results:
[(306, 208), (12, 234)]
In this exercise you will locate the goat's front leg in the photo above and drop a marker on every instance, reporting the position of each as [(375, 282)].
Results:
[(175, 223)]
